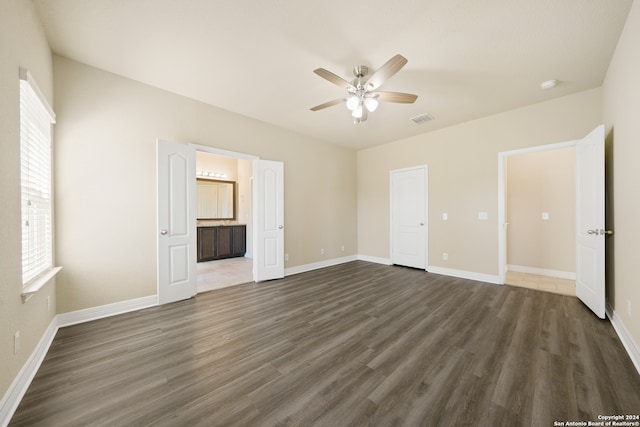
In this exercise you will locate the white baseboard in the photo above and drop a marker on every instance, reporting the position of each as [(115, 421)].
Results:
[(94, 313), (316, 265), (542, 272), (627, 341), (376, 260), (21, 382), (480, 277), (440, 270)]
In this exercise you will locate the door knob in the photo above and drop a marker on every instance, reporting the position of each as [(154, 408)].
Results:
[(422, 223), (163, 232), (600, 232), (280, 227)]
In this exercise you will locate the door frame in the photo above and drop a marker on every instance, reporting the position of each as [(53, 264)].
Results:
[(425, 167), (502, 196), (217, 151)]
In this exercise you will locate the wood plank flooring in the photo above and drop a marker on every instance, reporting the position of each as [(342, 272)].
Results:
[(352, 345)]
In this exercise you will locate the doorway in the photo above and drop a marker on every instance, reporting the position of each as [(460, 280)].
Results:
[(589, 216), (176, 220), (537, 242), (540, 217), (224, 203)]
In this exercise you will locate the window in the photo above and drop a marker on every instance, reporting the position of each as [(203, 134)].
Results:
[(36, 118)]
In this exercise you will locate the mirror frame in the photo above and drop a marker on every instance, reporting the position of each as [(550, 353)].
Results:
[(233, 183)]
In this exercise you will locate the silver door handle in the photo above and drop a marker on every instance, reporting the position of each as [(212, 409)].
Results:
[(600, 232), (422, 223), (280, 227), (163, 232)]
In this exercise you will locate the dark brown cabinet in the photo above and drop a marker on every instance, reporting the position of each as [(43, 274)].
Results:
[(221, 241)]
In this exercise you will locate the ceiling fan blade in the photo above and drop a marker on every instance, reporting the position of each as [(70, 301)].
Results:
[(333, 78), (327, 104), (389, 69), (403, 98)]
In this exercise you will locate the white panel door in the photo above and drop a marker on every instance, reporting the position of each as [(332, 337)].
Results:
[(176, 228), (409, 217), (590, 231), (268, 262)]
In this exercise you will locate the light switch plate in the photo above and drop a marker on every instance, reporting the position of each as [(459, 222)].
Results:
[(483, 215), (545, 216), (445, 216)]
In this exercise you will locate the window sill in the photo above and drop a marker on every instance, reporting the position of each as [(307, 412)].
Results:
[(36, 284)]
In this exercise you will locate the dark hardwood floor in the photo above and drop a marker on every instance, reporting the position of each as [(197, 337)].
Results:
[(352, 345)]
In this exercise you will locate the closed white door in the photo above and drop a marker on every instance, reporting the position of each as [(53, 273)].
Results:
[(268, 262), (409, 217), (590, 227), (176, 227)]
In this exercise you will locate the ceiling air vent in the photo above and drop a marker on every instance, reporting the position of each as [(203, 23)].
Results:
[(423, 118)]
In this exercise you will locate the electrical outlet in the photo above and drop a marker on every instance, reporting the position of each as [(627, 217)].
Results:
[(286, 257), (445, 256), (16, 342), (321, 251), (342, 247), (49, 303), (629, 307), (545, 216), (445, 216)]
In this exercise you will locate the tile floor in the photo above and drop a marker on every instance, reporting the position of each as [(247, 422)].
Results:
[(541, 283), (224, 272)]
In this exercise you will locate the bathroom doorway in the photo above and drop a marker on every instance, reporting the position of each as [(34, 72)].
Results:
[(224, 185)]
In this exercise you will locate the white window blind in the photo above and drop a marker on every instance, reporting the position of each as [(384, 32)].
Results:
[(36, 118)]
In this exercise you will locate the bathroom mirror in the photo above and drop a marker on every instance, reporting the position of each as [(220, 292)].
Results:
[(216, 199)]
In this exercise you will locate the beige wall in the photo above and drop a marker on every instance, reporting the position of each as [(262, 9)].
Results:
[(463, 177), (544, 181), (219, 164), (106, 181), (621, 98), (22, 44)]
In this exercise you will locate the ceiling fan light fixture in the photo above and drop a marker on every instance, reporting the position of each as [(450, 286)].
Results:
[(371, 104), (357, 112), (352, 102)]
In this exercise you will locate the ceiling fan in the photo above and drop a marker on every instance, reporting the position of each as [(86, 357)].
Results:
[(362, 97)]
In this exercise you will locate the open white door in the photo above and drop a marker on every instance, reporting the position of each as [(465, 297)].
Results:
[(409, 217), (177, 276), (590, 232), (268, 262)]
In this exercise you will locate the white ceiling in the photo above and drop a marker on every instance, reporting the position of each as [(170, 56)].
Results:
[(467, 58)]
